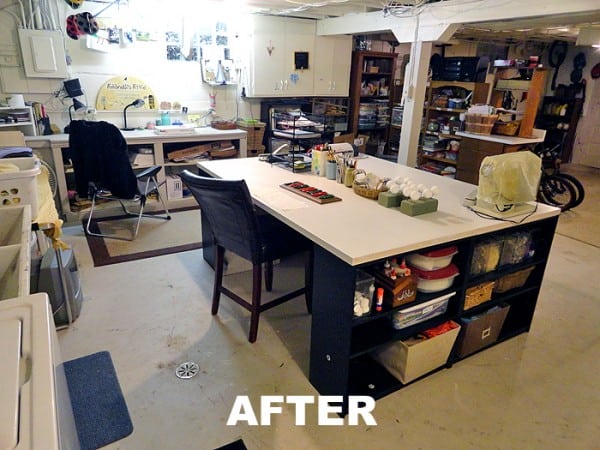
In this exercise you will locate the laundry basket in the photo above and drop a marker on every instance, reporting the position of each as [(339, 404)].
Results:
[(20, 187)]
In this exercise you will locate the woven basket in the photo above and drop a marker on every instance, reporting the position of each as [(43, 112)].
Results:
[(365, 191), (506, 128), (255, 132), (479, 294), (223, 125), (513, 280)]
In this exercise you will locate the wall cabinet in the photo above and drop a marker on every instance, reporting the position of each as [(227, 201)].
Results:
[(288, 59), (341, 361), (20, 119), (279, 45), (445, 102), (371, 89), (332, 65)]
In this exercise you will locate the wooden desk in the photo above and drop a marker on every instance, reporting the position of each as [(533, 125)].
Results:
[(357, 232), (51, 150)]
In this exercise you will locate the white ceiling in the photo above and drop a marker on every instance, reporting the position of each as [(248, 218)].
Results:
[(543, 29)]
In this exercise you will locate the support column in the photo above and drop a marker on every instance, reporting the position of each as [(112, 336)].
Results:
[(415, 84)]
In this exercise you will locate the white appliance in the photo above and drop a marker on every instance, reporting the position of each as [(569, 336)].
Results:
[(35, 408)]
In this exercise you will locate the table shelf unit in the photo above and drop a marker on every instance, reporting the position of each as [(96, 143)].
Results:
[(12, 119), (55, 150), (340, 361)]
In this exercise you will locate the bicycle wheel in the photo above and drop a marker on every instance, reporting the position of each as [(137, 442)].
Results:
[(579, 190), (556, 191)]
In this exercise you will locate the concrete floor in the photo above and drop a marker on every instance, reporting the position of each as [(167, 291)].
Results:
[(539, 390)]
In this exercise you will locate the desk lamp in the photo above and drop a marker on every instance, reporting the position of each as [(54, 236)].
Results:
[(137, 103), (76, 106)]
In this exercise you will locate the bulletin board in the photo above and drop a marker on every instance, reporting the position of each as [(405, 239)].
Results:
[(118, 92)]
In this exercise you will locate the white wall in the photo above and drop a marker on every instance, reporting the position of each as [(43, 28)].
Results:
[(179, 81)]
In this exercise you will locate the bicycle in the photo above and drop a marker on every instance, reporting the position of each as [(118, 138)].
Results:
[(556, 188)]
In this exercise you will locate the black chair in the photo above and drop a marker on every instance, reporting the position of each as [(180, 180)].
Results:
[(259, 238), (102, 169)]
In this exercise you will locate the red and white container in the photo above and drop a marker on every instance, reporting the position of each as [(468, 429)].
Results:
[(432, 260), (435, 280)]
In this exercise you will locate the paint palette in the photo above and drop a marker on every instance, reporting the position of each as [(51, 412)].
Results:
[(312, 193)]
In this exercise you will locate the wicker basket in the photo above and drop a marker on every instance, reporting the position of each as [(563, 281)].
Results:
[(513, 280), (255, 132), (479, 294), (223, 125), (506, 128), (479, 128), (364, 191)]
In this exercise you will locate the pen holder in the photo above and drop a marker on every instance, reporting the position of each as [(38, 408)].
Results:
[(348, 177), (330, 170)]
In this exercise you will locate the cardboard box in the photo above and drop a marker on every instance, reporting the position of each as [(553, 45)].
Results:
[(174, 187), (361, 142), (408, 362), (482, 331)]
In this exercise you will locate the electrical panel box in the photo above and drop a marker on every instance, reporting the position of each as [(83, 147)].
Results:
[(43, 53)]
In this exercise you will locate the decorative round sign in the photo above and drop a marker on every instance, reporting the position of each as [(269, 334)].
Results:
[(118, 92)]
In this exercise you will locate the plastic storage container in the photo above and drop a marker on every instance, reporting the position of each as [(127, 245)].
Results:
[(435, 280), (421, 312), (363, 293), (20, 187), (486, 256), (516, 247), (432, 260)]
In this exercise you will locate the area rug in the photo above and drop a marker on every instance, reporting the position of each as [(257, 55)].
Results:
[(101, 414), (156, 237)]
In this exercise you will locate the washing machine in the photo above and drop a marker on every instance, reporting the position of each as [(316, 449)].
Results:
[(35, 408)]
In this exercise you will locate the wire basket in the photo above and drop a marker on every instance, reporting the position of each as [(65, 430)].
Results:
[(479, 294)]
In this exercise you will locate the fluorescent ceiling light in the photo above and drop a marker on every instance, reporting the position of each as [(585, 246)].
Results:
[(589, 36)]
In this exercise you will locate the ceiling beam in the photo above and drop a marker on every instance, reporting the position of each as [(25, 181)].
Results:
[(434, 21)]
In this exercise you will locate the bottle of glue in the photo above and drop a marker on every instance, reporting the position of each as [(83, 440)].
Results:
[(379, 302)]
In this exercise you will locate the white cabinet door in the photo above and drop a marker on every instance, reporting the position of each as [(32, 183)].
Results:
[(267, 58), (275, 43), (333, 56)]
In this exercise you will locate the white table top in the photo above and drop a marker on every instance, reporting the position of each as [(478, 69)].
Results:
[(538, 136), (357, 229), (204, 133)]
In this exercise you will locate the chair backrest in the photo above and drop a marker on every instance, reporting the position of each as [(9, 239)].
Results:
[(228, 207), (99, 154)]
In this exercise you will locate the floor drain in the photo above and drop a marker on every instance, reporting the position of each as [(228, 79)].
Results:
[(187, 370)]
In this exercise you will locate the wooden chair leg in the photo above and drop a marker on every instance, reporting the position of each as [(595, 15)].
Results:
[(269, 276), (219, 262), (255, 309), (308, 279)]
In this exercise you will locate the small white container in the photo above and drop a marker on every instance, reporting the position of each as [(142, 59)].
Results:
[(433, 260), (435, 280)]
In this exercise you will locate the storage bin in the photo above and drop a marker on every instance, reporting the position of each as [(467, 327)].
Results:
[(408, 360), (515, 248), (363, 293), (513, 280), (481, 331), (434, 259), (15, 235), (486, 256), (435, 280), (421, 312), (479, 294), (255, 132), (20, 187)]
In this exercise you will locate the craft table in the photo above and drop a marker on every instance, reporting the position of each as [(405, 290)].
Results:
[(356, 233)]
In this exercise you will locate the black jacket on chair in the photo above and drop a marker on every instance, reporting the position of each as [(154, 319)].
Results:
[(99, 155)]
